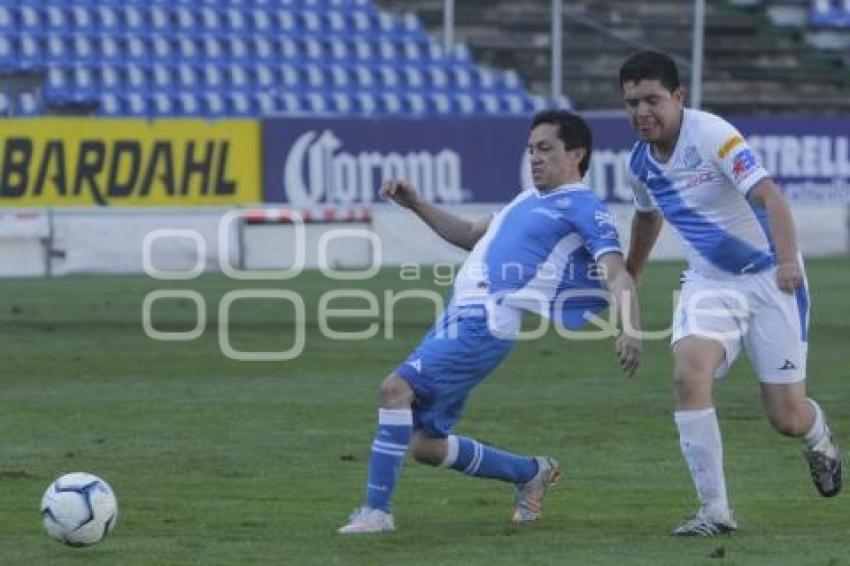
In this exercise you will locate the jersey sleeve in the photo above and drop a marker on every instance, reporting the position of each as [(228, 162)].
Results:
[(729, 151), (643, 201), (595, 225)]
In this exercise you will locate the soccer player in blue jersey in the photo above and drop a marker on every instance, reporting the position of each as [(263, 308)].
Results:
[(549, 251), (745, 284)]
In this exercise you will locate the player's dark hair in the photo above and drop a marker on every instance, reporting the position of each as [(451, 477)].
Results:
[(650, 65), (572, 130)]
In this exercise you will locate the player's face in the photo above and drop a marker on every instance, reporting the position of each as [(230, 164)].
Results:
[(654, 112), (552, 165)]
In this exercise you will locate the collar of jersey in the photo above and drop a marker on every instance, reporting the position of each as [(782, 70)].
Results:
[(562, 189)]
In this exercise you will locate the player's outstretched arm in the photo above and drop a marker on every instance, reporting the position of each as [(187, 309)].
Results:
[(789, 273), (645, 229), (622, 287), (455, 230)]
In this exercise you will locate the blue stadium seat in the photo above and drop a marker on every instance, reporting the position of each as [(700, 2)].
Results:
[(263, 49), (31, 54), (238, 50), (388, 77), (110, 78), (265, 103), (341, 103), (133, 20), (488, 103), (28, 104), (214, 104), (161, 49), (188, 104), (211, 20), (288, 75), (264, 76), (5, 105), (186, 77), (82, 19), (56, 19), (57, 84), (338, 49), (364, 77), (110, 49), (31, 20), (187, 49), (136, 79), (83, 49), (7, 20), (184, 20), (110, 105), (108, 19), (211, 77), (292, 103), (439, 103), (84, 84), (8, 57), (160, 21), (365, 103), (236, 22), (238, 77), (162, 104), (830, 13), (136, 50), (340, 77), (239, 104), (391, 103), (413, 77), (212, 48), (315, 103)]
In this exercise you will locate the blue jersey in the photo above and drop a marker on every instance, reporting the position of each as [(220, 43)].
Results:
[(539, 254)]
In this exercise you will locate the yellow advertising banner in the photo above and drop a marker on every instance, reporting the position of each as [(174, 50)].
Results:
[(95, 162)]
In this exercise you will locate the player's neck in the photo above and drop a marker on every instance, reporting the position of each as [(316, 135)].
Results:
[(663, 149)]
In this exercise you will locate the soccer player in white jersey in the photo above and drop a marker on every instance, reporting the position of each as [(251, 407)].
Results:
[(745, 284), (549, 251)]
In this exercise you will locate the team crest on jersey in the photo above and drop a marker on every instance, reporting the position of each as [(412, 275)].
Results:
[(743, 164), (691, 158)]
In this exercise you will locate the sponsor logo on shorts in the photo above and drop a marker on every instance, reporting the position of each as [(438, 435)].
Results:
[(788, 365)]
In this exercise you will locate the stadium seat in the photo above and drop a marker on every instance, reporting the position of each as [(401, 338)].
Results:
[(31, 55), (108, 20), (134, 22), (341, 103), (263, 49), (162, 49), (187, 49), (288, 75), (82, 19), (265, 103), (186, 77), (464, 104), (84, 85), (188, 104), (210, 20), (162, 104), (391, 103), (413, 77), (5, 105), (239, 104), (55, 19), (211, 77), (238, 77), (136, 104), (263, 76), (160, 20), (340, 77), (7, 20), (489, 103), (109, 105), (28, 104), (212, 49), (184, 20), (439, 103), (365, 103), (30, 20), (110, 50), (235, 21), (388, 77), (415, 103), (8, 57), (110, 78), (237, 49), (135, 78), (214, 104)]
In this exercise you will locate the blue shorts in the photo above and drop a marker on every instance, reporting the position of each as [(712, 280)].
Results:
[(455, 356)]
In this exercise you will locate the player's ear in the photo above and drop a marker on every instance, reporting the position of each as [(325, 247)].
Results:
[(680, 95)]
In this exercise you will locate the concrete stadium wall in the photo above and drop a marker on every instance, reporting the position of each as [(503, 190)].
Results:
[(113, 240)]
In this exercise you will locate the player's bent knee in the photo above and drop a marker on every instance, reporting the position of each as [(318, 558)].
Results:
[(428, 451), (395, 393)]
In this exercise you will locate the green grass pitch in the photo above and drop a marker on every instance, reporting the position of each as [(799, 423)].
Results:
[(221, 462)]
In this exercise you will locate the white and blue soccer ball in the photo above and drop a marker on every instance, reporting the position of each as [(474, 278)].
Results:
[(79, 509)]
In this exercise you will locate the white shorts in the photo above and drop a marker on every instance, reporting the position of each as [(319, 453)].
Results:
[(750, 309)]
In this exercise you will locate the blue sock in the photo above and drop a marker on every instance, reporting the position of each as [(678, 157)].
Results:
[(392, 439), (472, 458)]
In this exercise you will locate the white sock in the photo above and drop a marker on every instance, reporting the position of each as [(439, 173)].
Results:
[(819, 428), (699, 438)]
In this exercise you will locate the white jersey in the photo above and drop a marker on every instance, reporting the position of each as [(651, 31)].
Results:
[(702, 192)]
